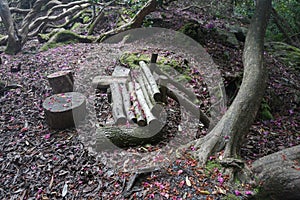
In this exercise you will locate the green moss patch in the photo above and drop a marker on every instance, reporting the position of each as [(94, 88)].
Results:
[(132, 59), (65, 37)]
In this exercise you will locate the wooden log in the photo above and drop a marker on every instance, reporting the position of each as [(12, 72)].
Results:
[(117, 104), (106, 137), (103, 82), (137, 107), (129, 111), (61, 81), (154, 88), (121, 71), (153, 123), (162, 82), (155, 107), (142, 84), (64, 110), (179, 86), (190, 106)]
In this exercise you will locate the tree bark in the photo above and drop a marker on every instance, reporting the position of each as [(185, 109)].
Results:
[(14, 39), (61, 81), (64, 110), (230, 130), (279, 174), (124, 137)]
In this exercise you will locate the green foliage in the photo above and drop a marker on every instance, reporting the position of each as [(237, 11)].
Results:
[(133, 6)]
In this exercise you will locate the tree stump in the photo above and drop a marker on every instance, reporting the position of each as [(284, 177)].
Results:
[(64, 110), (61, 81)]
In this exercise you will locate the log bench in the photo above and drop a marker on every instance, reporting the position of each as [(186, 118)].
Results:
[(138, 96), (135, 96)]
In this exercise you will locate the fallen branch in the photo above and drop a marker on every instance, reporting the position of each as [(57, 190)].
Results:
[(135, 22)]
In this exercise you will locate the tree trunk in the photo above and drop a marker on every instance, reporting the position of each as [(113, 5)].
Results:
[(279, 174), (233, 126), (14, 39)]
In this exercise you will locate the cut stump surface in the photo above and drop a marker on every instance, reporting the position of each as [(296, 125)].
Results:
[(64, 110)]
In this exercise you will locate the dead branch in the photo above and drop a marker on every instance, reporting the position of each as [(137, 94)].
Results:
[(100, 15), (42, 21), (19, 10), (135, 22)]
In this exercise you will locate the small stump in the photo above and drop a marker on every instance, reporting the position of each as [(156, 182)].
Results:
[(64, 110), (61, 81)]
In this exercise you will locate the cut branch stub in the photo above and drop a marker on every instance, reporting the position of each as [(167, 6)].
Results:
[(61, 81), (64, 110)]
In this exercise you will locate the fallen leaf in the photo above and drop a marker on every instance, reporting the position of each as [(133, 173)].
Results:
[(65, 190), (187, 181)]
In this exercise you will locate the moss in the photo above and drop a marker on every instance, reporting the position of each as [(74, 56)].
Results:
[(75, 26), (65, 37), (193, 30), (231, 197), (190, 29), (132, 59), (211, 165), (86, 19), (265, 111)]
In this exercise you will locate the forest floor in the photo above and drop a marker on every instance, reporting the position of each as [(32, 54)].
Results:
[(40, 163)]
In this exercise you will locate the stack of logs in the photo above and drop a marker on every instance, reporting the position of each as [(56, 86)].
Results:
[(137, 95), (136, 98)]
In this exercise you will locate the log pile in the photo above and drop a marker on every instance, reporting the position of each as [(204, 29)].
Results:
[(138, 97), (135, 96)]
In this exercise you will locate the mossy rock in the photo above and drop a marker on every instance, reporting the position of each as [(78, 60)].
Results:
[(65, 37), (194, 30)]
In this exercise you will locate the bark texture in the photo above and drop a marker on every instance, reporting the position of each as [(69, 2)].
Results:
[(14, 39), (279, 174), (230, 130)]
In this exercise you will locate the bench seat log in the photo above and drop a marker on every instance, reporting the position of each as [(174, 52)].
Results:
[(149, 76), (103, 82), (189, 106), (107, 137), (136, 105), (117, 104)]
